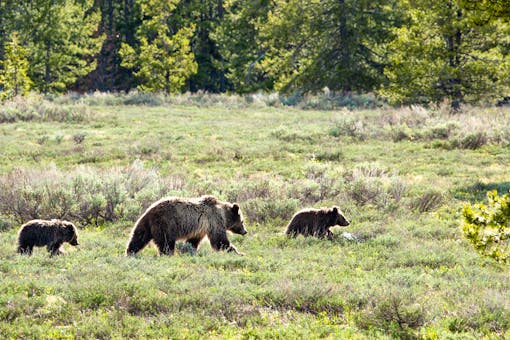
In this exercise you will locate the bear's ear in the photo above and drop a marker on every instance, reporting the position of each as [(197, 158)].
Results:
[(235, 208), (335, 209), (70, 226)]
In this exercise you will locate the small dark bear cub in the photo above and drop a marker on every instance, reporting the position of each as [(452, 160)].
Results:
[(52, 234), (189, 219), (316, 222)]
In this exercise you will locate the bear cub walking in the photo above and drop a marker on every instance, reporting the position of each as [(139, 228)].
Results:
[(316, 222), (191, 219), (52, 234)]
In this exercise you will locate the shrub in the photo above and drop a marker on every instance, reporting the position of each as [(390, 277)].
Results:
[(474, 141), (429, 201), (263, 210), (35, 108), (349, 127), (84, 195), (487, 227), (370, 184), (394, 312)]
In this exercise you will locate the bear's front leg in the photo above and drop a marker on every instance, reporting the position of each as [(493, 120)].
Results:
[(25, 250), (231, 248), (166, 246), (54, 248), (220, 241)]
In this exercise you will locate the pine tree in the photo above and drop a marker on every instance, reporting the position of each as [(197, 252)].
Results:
[(163, 60), (14, 80), (333, 43), (448, 52), (60, 36), (239, 43)]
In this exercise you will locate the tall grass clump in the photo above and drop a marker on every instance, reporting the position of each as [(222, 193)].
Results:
[(36, 108), (428, 201)]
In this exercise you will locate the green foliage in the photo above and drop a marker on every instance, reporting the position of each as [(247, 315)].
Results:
[(487, 226), (447, 52), (338, 44), (14, 80), (241, 45), (163, 61), (60, 36), (408, 52)]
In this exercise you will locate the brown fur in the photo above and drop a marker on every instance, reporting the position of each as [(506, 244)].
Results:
[(52, 234), (316, 222), (191, 219)]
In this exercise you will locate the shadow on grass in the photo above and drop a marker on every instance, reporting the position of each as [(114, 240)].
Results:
[(478, 191)]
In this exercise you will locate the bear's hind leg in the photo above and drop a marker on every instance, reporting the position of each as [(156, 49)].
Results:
[(139, 239), (292, 231)]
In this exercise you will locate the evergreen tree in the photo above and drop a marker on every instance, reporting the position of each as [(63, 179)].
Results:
[(14, 80), (163, 60), (60, 37), (6, 20), (334, 43), (119, 22), (206, 16), (239, 43), (448, 52)]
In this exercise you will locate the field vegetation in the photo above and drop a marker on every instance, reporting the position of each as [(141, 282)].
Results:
[(402, 269)]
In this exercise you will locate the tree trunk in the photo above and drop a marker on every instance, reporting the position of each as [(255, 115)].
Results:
[(343, 37), (220, 58), (47, 71), (2, 40), (453, 86)]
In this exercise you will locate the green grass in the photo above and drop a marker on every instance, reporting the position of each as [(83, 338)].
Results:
[(410, 274)]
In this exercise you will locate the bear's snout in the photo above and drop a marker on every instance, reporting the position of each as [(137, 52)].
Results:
[(345, 223)]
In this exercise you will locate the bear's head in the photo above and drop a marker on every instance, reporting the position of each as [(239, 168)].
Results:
[(339, 217), (70, 232), (236, 221)]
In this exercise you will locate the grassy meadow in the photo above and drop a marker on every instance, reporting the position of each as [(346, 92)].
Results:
[(402, 269)]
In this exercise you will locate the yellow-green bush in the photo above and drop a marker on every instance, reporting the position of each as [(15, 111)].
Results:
[(487, 227)]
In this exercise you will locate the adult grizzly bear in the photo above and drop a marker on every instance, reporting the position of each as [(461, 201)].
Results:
[(191, 219), (39, 233), (316, 222)]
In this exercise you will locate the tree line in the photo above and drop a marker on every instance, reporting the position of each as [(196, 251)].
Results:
[(408, 51)]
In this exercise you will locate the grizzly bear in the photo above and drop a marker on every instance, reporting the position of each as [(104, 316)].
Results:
[(51, 234), (316, 222), (191, 219)]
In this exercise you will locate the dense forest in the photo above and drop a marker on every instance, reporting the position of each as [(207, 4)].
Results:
[(406, 51)]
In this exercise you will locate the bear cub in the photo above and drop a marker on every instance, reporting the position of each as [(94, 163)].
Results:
[(190, 219), (52, 234), (316, 222)]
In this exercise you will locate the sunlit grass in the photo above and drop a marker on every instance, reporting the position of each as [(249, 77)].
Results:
[(406, 273)]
